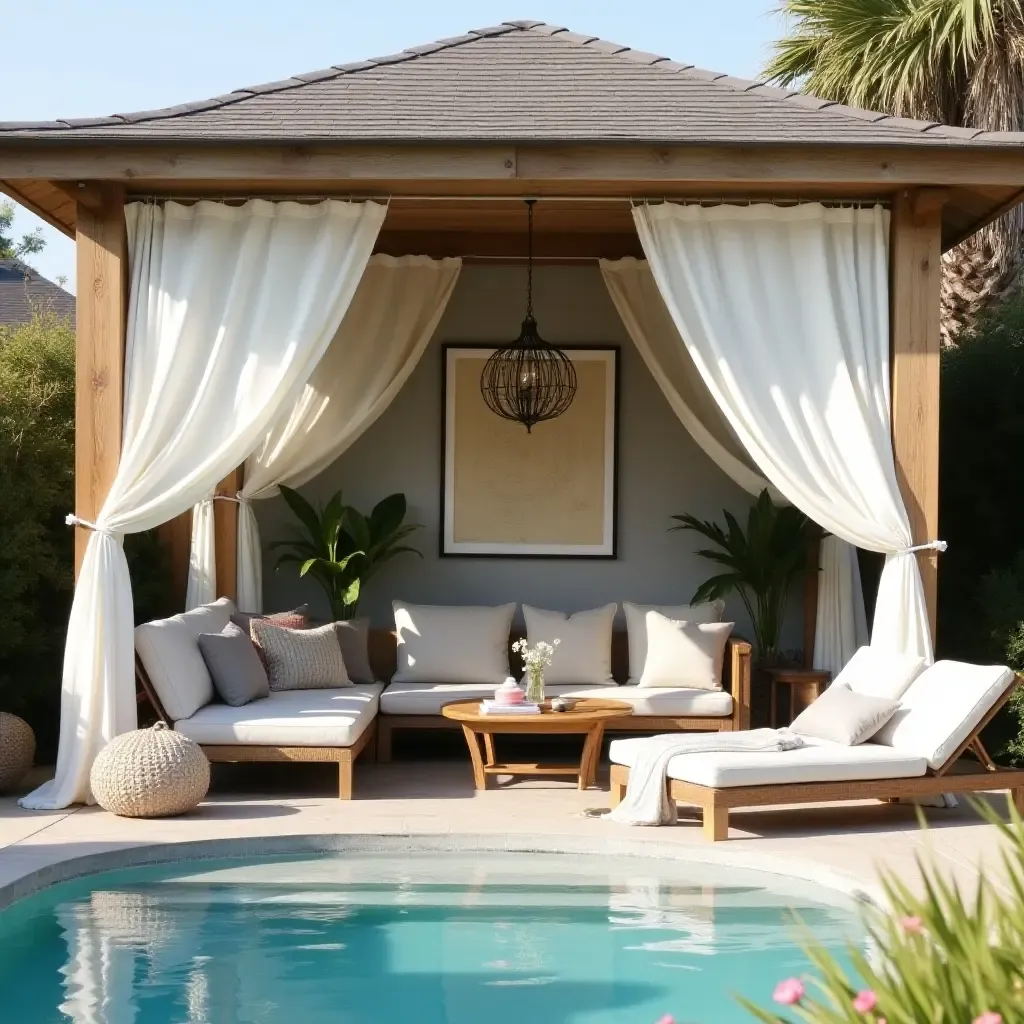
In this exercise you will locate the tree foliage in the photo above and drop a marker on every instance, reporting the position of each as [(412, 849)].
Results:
[(12, 248)]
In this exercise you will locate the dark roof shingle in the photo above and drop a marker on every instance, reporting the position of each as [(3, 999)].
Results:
[(517, 82), (24, 291)]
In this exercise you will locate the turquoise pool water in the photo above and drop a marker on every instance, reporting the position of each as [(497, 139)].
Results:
[(432, 938)]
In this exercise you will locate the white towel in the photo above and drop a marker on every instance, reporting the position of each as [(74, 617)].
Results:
[(647, 801)]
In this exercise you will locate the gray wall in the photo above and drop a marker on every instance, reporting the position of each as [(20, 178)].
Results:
[(661, 472)]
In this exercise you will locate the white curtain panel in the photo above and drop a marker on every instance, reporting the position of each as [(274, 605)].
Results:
[(785, 313), (230, 310), (635, 294), (841, 625), (392, 318), (201, 585)]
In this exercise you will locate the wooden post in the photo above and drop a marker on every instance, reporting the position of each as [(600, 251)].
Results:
[(102, 304), (225, 531), (915, 275), (176, 536)]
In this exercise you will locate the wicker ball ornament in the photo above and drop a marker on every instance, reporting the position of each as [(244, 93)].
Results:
[(150, 773), (17, 749)]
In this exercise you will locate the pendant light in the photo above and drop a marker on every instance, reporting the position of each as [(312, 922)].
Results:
[(529, 380)]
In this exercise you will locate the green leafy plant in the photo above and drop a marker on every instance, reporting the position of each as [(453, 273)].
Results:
[(939, 957), (341, 548), (761, 563)]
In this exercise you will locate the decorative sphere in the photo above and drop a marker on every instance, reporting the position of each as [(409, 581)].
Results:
[(17, 749), (150, 773)]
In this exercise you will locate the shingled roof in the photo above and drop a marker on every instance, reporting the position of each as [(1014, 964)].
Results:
[(24, 291), (520, 81)]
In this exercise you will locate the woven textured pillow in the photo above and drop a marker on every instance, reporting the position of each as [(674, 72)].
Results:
[(301, 659)]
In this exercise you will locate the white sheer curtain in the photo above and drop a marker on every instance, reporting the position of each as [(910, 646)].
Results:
[(785, 313), (230, 310), (393, 315), (635, 294)]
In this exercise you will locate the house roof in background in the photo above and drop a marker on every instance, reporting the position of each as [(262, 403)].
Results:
[(24, 291), (519, 81)]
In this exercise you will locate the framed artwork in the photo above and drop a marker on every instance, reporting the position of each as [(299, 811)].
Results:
[(547, 494)]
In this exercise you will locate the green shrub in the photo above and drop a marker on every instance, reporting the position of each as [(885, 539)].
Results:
[(938, 958)]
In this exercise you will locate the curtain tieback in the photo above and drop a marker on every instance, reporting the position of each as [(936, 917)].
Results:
[(931, 545), (218, 497), (72, 520)]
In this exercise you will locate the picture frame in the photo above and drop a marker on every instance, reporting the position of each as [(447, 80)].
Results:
[(550, 493)]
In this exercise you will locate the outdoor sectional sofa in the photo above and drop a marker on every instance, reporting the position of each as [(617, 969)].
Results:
[(336, 725)]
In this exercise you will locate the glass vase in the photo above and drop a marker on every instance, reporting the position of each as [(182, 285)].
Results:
[(535, 685)]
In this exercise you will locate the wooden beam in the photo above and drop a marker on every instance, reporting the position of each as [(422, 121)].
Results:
[(176, 536), (225, 532), (102, 286), (568, 245), (43, 214), (532, 164), (915, 273)]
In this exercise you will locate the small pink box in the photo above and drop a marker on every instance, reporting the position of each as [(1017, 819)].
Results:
[(510, 692)]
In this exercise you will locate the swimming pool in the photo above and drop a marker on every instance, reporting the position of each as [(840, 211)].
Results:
[(430, 938)]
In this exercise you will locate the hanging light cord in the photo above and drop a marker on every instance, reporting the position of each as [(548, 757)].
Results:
[(529, 257)]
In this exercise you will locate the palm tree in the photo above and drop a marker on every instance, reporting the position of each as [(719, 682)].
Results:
[(959, 62)]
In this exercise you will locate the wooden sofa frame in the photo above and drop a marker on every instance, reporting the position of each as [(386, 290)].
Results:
[(736, 679), (344, 757), (967, 777)]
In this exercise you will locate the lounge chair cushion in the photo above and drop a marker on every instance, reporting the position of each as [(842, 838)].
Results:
[(169, 651), (817, 761), (636, 626), (668, 701), (842, 716), (429, 698), (288, 718), (878, 673), (583, 656), (943, 707), (467, 644)]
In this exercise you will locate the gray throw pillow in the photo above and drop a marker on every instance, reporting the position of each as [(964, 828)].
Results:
[(301, 659), (354, 638), (237, 672), (843, 716)]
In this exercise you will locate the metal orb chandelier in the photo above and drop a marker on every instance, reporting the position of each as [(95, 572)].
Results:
[(530, 380)]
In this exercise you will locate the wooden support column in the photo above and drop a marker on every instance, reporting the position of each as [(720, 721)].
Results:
[(102, 303), (225, 532), (915, 275)]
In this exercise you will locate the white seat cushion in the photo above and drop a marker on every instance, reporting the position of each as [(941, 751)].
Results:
[(445, 644), (169, 651), (943, 706), (429, 698), (667, 700), (288, 718), (818, 761), (876, 673)]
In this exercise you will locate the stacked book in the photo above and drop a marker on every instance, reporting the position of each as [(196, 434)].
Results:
[(492, 707)]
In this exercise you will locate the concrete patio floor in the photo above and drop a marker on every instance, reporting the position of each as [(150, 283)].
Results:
[(841, 845)]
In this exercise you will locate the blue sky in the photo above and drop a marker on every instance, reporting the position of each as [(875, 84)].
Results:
[(113, 55)]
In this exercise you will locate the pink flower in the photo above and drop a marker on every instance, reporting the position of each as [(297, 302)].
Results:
[(667, 1019), (988, 1017), (911, 925), (789, 992), (865, 1002)]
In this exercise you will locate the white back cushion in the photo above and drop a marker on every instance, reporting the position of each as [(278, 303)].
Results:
[(684, 653), (583, 656), (636, 626), (441, 644), (169, 650), (942, 708), (877, 673)]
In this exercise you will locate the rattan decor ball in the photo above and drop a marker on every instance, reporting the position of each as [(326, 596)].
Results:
[(150, 773), (17, 749)]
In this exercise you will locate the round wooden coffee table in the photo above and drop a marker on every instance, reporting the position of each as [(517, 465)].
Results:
[(588, 718)]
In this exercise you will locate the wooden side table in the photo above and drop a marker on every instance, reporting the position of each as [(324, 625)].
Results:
[(805, 686), (588, 717)]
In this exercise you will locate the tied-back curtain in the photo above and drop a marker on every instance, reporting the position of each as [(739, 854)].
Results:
[(635, 294), (785, 313), (393, 315), (230, 310)]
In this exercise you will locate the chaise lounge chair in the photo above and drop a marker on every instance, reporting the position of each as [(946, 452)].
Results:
[(917, 754)]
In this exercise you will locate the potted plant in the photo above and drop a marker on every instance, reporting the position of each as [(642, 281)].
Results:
[(761, 564), (341, 548)]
